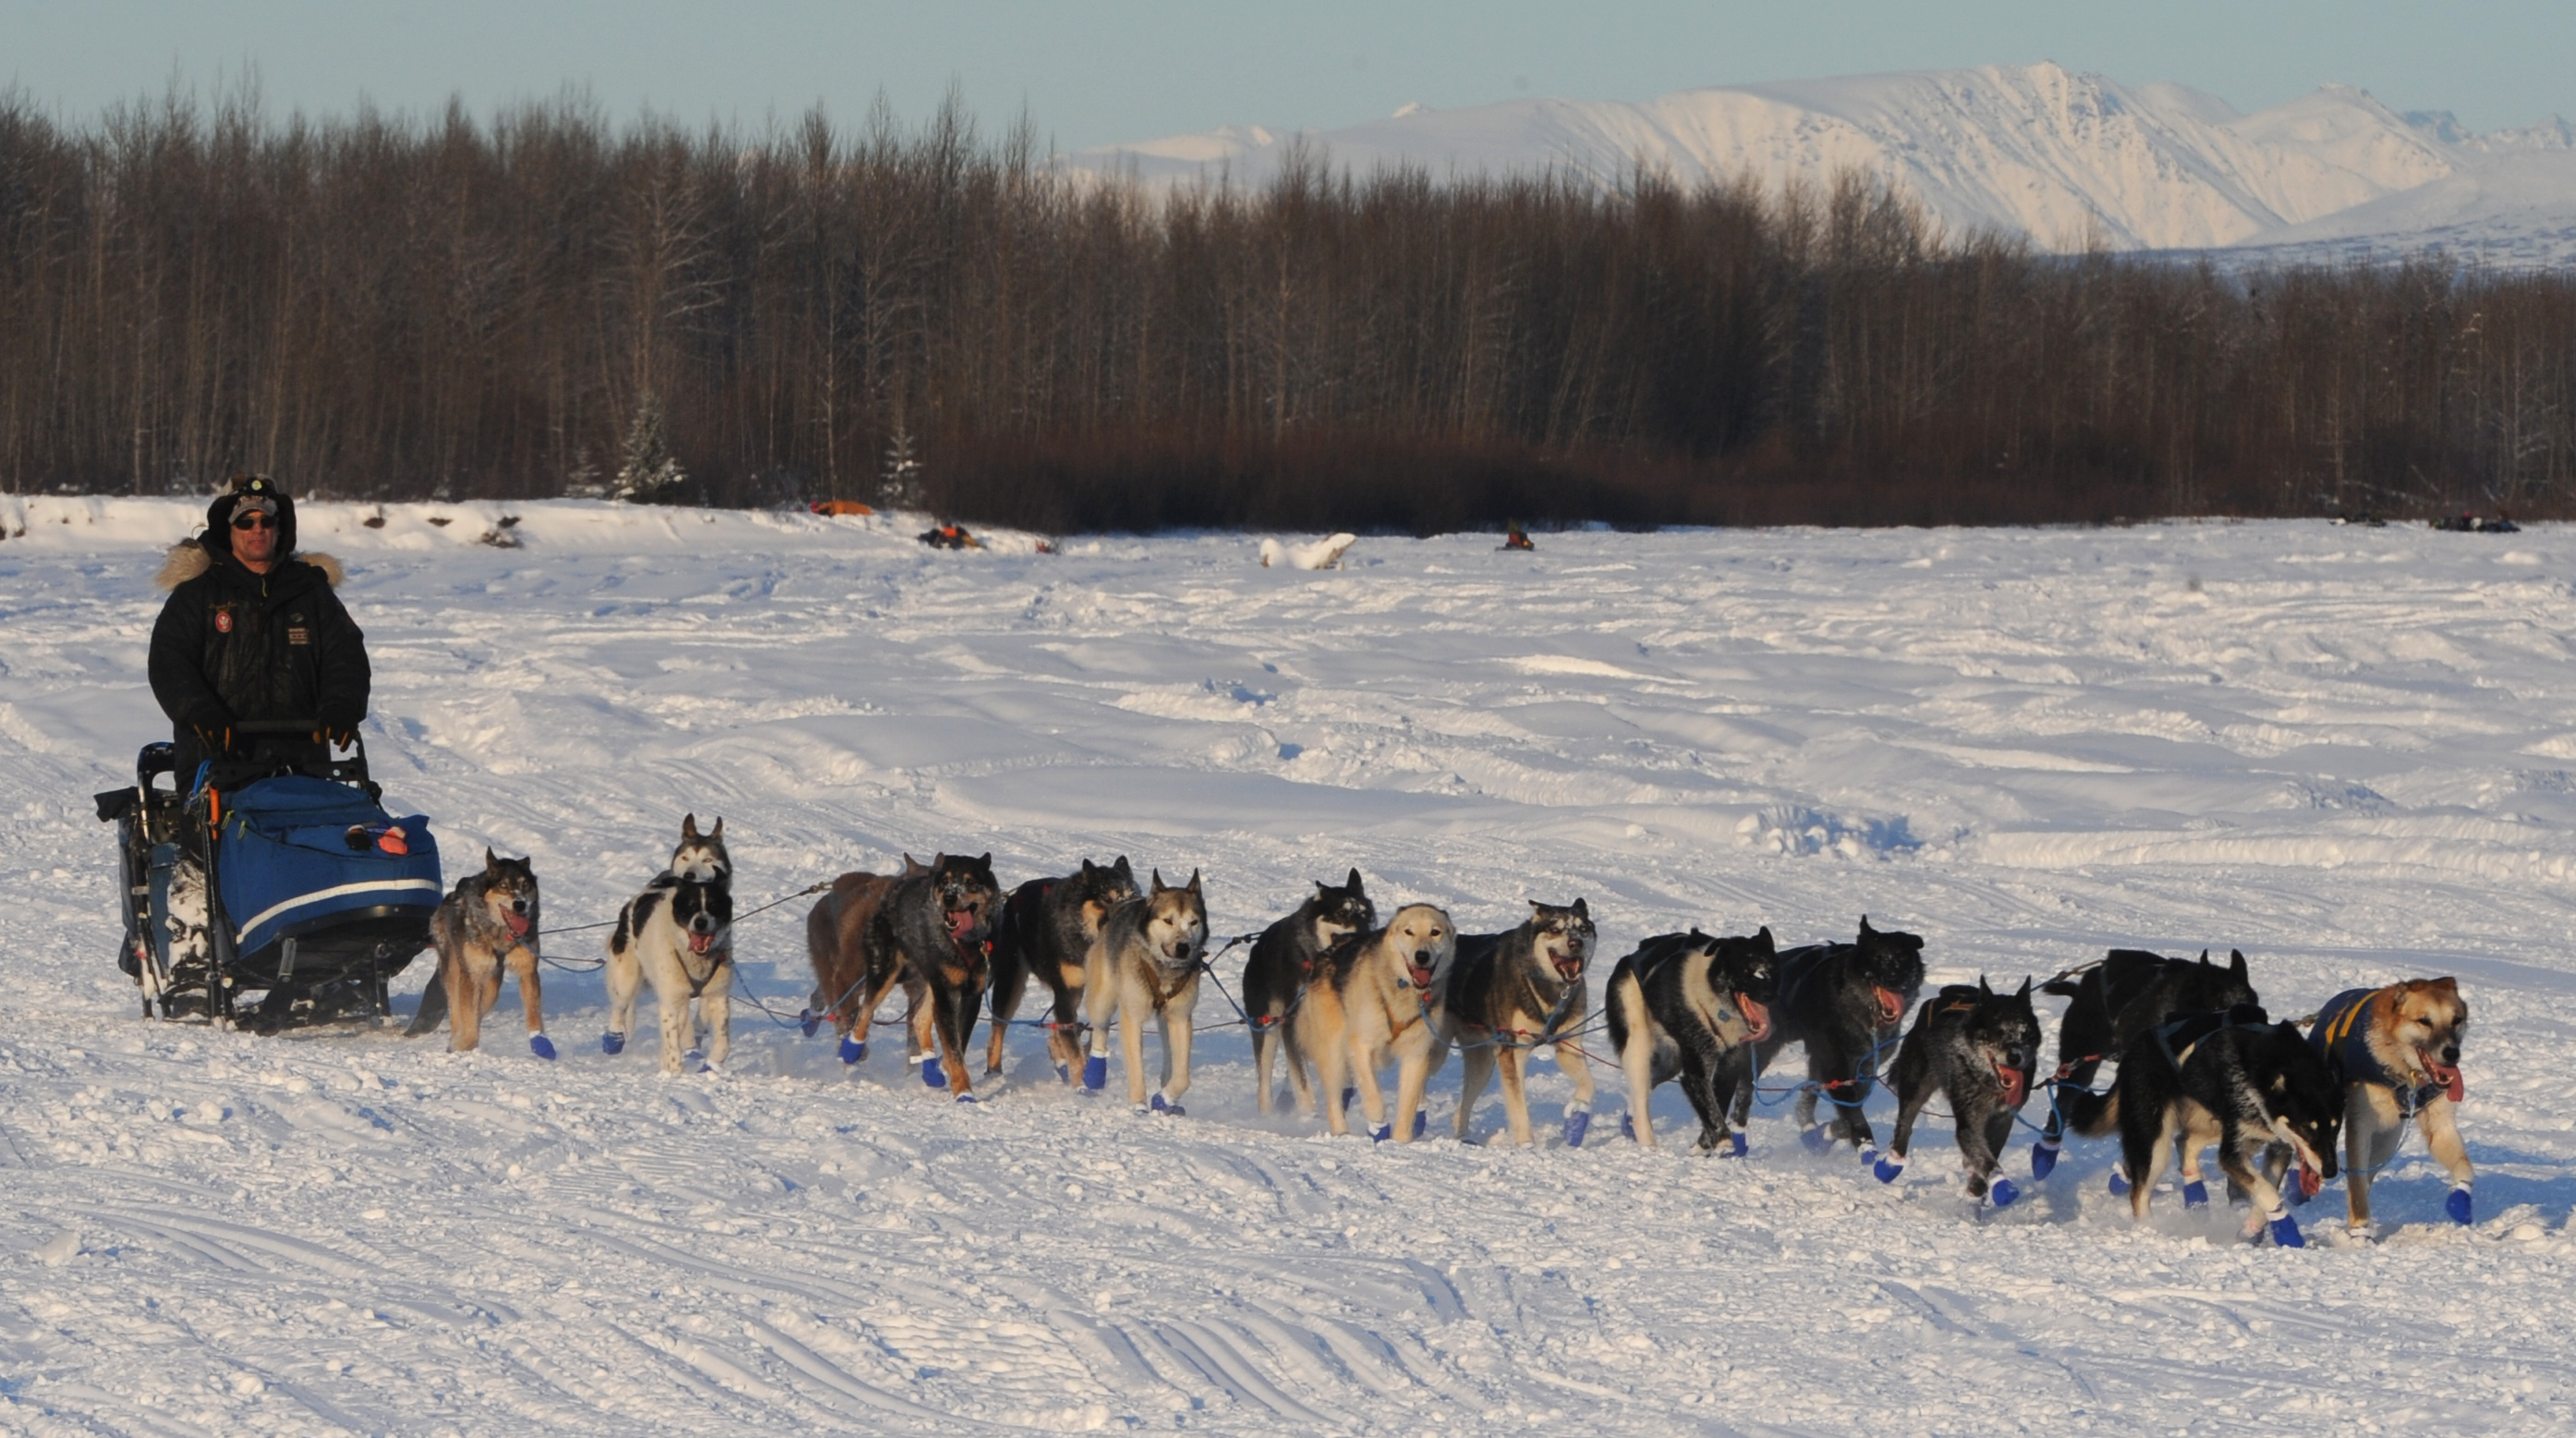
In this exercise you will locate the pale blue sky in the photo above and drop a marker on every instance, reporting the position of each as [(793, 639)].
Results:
[(1112, 70)]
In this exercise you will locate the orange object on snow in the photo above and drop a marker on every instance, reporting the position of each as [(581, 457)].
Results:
[(839, 506)]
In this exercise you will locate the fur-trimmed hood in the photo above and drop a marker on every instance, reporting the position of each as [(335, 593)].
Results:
[(189, 558)]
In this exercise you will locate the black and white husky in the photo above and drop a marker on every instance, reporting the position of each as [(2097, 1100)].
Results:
[(1977, 1049), (1510, 994), (678, 934), (1684, 1006), (1283, 962), (2117, 1002), (2254, 1088), (1844, 1003)]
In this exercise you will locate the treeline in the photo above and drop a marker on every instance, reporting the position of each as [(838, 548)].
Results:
[(548, 302)]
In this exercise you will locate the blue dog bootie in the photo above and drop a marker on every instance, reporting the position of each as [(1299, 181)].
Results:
[(1348, 1094), (1166, 1107), (2002, 1193), (1628, 1127), (1064, 1073), (932, 1075), (1382, 1133), (1888, 1167), (1817, 1139), (1578, 1122), (1737, 1140), (1095, 1072), (854, 1050), (967, 1098), (2043, 1157), (2285, 1229), (542, 1046), (694, 1061), (1421, 1123), (2119, 1180), (2195, 1194), (2459, 1206), (612, 1042), (809, 1021)]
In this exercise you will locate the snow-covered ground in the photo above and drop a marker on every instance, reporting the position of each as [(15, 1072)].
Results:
[(2347, 751)]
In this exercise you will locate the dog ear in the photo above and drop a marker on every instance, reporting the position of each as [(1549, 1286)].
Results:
[(2025, 988), (1866, 932), (1158, 880), (718, 831), (1123, 868), (985, 862), (1193, 885), (1581, 909), (2236, 962), (1985, 988), (1089, 869), (689, 827), (1769, 945)]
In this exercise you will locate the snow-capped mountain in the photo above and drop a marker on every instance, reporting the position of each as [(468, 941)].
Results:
[(2065, 159)]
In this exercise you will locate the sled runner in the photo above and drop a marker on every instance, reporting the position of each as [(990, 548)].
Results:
[(309, 893)]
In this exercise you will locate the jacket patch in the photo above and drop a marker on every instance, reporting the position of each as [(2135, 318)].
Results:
[(299, 636), (223, 621)]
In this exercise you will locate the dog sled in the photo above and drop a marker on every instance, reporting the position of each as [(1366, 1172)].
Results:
[(280, 876)]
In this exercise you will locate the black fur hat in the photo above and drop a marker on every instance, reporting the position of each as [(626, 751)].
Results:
[(257, 490)]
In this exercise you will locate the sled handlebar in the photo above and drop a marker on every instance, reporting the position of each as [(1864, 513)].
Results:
[(277, 726)]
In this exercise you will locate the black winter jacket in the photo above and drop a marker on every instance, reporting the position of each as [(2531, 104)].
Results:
[(233, 646)]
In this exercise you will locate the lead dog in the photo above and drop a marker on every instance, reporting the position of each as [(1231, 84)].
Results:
[(2396, 1052), (1147, 960), (1510, 994), (1684, 1006), (1977, 1049), (483, 924), (2116, 1002), (1844, 1003), (1372, 1001), (1282, 963), (1047, 928), (678, 934)]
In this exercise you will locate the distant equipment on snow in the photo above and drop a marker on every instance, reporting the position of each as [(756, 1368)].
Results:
[(1325, 553)]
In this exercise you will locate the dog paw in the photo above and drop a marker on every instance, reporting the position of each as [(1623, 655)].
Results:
[(2285, 1230), (1737, 1139), (1347, 1095), (694, 1061), (2002, 1193), (1577, 1124), (2043, 1158), (1095, 1072), (1166, 1107), (966, 1098), (612, 1042), (1382, 1133), (854, 1050), (2119, 1181), (1421, 1123), (2195, 1194), (2459, 1206), (932, 1076), (809, 1021), (1889, 1170), (1064, 1073), (542, 1047), (1817, 1139), (1628, 1127)]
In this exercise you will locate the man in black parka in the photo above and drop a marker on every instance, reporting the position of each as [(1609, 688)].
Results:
[(252, 631)]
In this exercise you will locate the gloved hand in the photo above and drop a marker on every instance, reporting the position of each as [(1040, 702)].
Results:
[(338, 736)]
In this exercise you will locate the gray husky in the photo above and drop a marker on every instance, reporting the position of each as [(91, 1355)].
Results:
[(1510, 993), (1977, 1048), (1146, 963), (1283, 962), (488, 921)]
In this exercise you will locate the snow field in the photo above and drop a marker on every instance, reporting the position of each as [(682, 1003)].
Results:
[(2345, 751)]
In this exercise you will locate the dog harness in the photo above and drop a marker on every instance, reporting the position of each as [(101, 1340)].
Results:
[(2342, 1037), (2177, 1039)]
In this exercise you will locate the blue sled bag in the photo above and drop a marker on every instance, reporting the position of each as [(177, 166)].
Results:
[(298, 854)]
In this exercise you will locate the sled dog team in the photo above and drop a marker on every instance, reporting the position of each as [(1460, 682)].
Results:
[(1343, 999)]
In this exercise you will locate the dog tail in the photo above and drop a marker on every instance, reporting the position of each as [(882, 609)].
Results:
[(433, 1007), (2088, 1113)]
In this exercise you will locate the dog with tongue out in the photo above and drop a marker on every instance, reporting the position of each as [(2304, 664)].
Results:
[(1977, 1048), (1843, 1003), (2396, 1051)]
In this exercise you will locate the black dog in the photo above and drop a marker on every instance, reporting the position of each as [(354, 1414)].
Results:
[(2255, 1089), (1283, 960), (1977, 1048), (2120, 1001), (1844, 1002), (1684, 1006), (1046, 929)]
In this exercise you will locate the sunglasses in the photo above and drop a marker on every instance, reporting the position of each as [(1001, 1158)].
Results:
[(254, 521)]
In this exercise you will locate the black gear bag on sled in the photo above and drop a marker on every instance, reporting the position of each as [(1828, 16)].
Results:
[(309, 895)]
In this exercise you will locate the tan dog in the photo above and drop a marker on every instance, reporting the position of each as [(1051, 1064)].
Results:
[(1146, 960), (2396, 1051), (486, 923), (1375, 998)]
